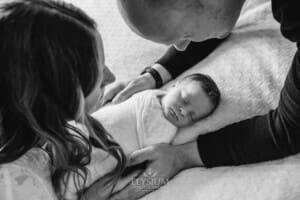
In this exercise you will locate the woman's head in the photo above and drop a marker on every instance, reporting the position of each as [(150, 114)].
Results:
[(51, 51), (52, 71)]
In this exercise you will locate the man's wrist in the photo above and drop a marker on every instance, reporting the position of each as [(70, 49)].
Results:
[(159, 74), (155, 75), (189, 155), (164, 74)]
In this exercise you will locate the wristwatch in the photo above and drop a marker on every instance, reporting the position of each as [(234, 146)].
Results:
[(156, 76)]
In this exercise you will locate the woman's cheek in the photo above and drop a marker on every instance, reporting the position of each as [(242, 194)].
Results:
[(94, 101), (98, 102)]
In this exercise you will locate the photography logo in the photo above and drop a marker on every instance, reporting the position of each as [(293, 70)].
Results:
[(149, 181)]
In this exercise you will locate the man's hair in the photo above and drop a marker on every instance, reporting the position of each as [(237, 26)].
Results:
[(208, 85)]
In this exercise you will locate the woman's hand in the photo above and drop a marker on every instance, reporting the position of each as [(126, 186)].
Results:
[(97, 191), (118, 92), (164, 162)]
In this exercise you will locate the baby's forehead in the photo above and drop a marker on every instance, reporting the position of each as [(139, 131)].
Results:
[(190, 83)]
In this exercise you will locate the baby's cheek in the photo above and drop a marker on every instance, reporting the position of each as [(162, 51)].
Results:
[(186, 122)]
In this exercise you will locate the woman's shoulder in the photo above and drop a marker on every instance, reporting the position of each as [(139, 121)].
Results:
[(27, 178)]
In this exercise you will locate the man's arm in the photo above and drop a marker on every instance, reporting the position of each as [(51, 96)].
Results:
[(271, 136), (176, 62), (167, 67)]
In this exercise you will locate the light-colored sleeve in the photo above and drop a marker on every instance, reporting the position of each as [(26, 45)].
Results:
[(152, 126), (17, 183)]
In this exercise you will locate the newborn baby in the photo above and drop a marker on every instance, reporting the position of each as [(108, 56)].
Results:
[(190, 100), (148, 118), (154, 116)]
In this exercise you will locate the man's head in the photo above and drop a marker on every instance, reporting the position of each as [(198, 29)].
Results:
[(193, 98), (178, 22)]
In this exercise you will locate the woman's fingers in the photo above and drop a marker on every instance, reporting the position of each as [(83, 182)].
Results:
[(143, 82), (139, 186), (125, 181), (152, 178), (98, 190), (140, 156)]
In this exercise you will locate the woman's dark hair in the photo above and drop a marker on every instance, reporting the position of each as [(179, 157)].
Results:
[(49, 63)]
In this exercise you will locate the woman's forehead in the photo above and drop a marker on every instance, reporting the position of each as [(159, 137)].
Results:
[(100, 47)]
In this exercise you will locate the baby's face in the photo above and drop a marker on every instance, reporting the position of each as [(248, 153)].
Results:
[(186, 103)]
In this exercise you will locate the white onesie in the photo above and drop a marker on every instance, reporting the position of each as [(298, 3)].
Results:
[(138, 122)]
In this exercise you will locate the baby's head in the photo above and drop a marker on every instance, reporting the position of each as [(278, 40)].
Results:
[(190, 100)]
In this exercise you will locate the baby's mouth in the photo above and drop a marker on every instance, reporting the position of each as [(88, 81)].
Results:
[(174, 114)]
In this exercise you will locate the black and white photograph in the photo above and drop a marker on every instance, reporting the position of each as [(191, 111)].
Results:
[(149, 100)]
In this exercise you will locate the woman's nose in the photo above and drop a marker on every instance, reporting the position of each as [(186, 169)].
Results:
[(109, 77), (182, 45)]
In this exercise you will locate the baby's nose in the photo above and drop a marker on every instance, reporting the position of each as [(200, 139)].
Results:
[(183, 112)]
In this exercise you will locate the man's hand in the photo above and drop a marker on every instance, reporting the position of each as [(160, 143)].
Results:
[(141, 83), (112, 90), (164, 162)]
